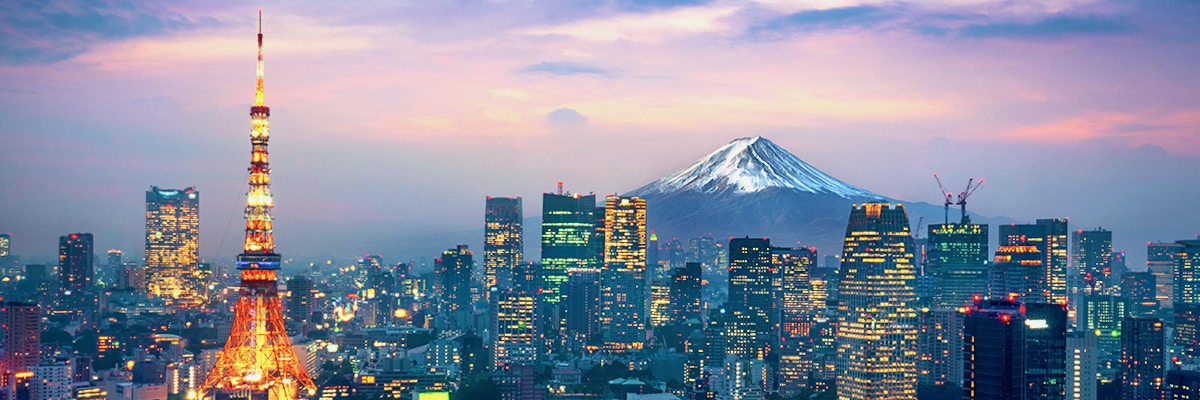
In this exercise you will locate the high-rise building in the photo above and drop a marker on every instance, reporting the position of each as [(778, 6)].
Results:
[(1092, 258), (957, 260), (503, 241), (793, 294), (1186, 298), (623, 294), (173, 243), (1142, 343), (1017, 269), (1102, 315), (685, 296), (1045, 351), (1081, 366), (115, 258), (516, 339), (582, 298), (877, 322), (5, 243), (300, 299), (660, 303), (453, 278), (1050, 237), (75, 259), (1183, 385), (1138, 290), (940, 345), (1160, 261), (994, 351), (750, 317), (22, 323), (568, 229)]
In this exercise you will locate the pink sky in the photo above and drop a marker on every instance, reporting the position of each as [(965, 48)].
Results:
[(391, 123)]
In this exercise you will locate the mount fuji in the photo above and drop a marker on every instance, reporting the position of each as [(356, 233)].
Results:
[(753, 187)]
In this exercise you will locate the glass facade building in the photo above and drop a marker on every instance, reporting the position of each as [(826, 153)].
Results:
[(173, 243)]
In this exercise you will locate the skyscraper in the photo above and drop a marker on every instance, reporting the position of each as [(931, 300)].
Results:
[(75, 258), (623, 295), (940, 342), (1045, 351), (1160, 261), (685, 298), (1017, 268), (1092, 258), (1138, 290), (957, 259), (793, 295), (1082, 366), (1186, 297), (5, 242), (22, 323), (1142, 372), (453, 278), (750, 312), (503, 241), (516, 339), (568, 230), (300, 299), (1050, 238), (877, 330), (172, 243), (994, 351)]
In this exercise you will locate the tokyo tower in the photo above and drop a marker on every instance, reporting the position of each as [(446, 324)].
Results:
[(258, 361)]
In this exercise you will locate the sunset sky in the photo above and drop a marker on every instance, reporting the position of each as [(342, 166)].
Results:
[(391, 123)]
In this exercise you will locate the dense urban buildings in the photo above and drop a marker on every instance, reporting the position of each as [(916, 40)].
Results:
[(1050, 238), (1185, 297), (994, 351), (22, 337), (76, 256), (1092, 257), (877, 332), (1160, 261), (173, 243), (793, 292)]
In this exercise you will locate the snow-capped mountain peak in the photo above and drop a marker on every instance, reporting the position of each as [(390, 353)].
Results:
[(748, 165)]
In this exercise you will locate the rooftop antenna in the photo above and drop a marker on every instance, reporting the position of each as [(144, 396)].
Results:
[(560, 188)]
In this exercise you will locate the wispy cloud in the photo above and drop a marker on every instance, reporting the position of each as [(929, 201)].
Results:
[(564, 68), (1057, 26), (47, 32), (646, 27)]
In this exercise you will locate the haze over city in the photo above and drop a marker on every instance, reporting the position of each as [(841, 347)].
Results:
[(392, 123)]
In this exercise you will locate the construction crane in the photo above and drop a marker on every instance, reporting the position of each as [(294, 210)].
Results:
[(972, 185), (949, 197), (920, 223)]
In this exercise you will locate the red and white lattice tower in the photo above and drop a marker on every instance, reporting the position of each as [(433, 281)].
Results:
[(258, 361)]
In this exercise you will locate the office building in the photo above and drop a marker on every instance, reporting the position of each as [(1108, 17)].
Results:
[(569, 230), (1183, 385), (1138, 290), (22, 336), (517, 341), (503, 242), (1017, 270), (1092, 257), (1186, 298), (1102, 315), (300, 299), (623, 291), (956, 258), (582, 307), (1045, 351), (994, 351), (1082, 366), (173, 243), (1050, 238), (750, 317), (1160, 261), (75, 262), (940, 345), (793, 293), (877, 323), (685, 295), (1142, 372), (453, 278), (660, 303)]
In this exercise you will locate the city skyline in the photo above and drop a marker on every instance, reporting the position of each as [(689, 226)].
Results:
[(1007, 92)]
